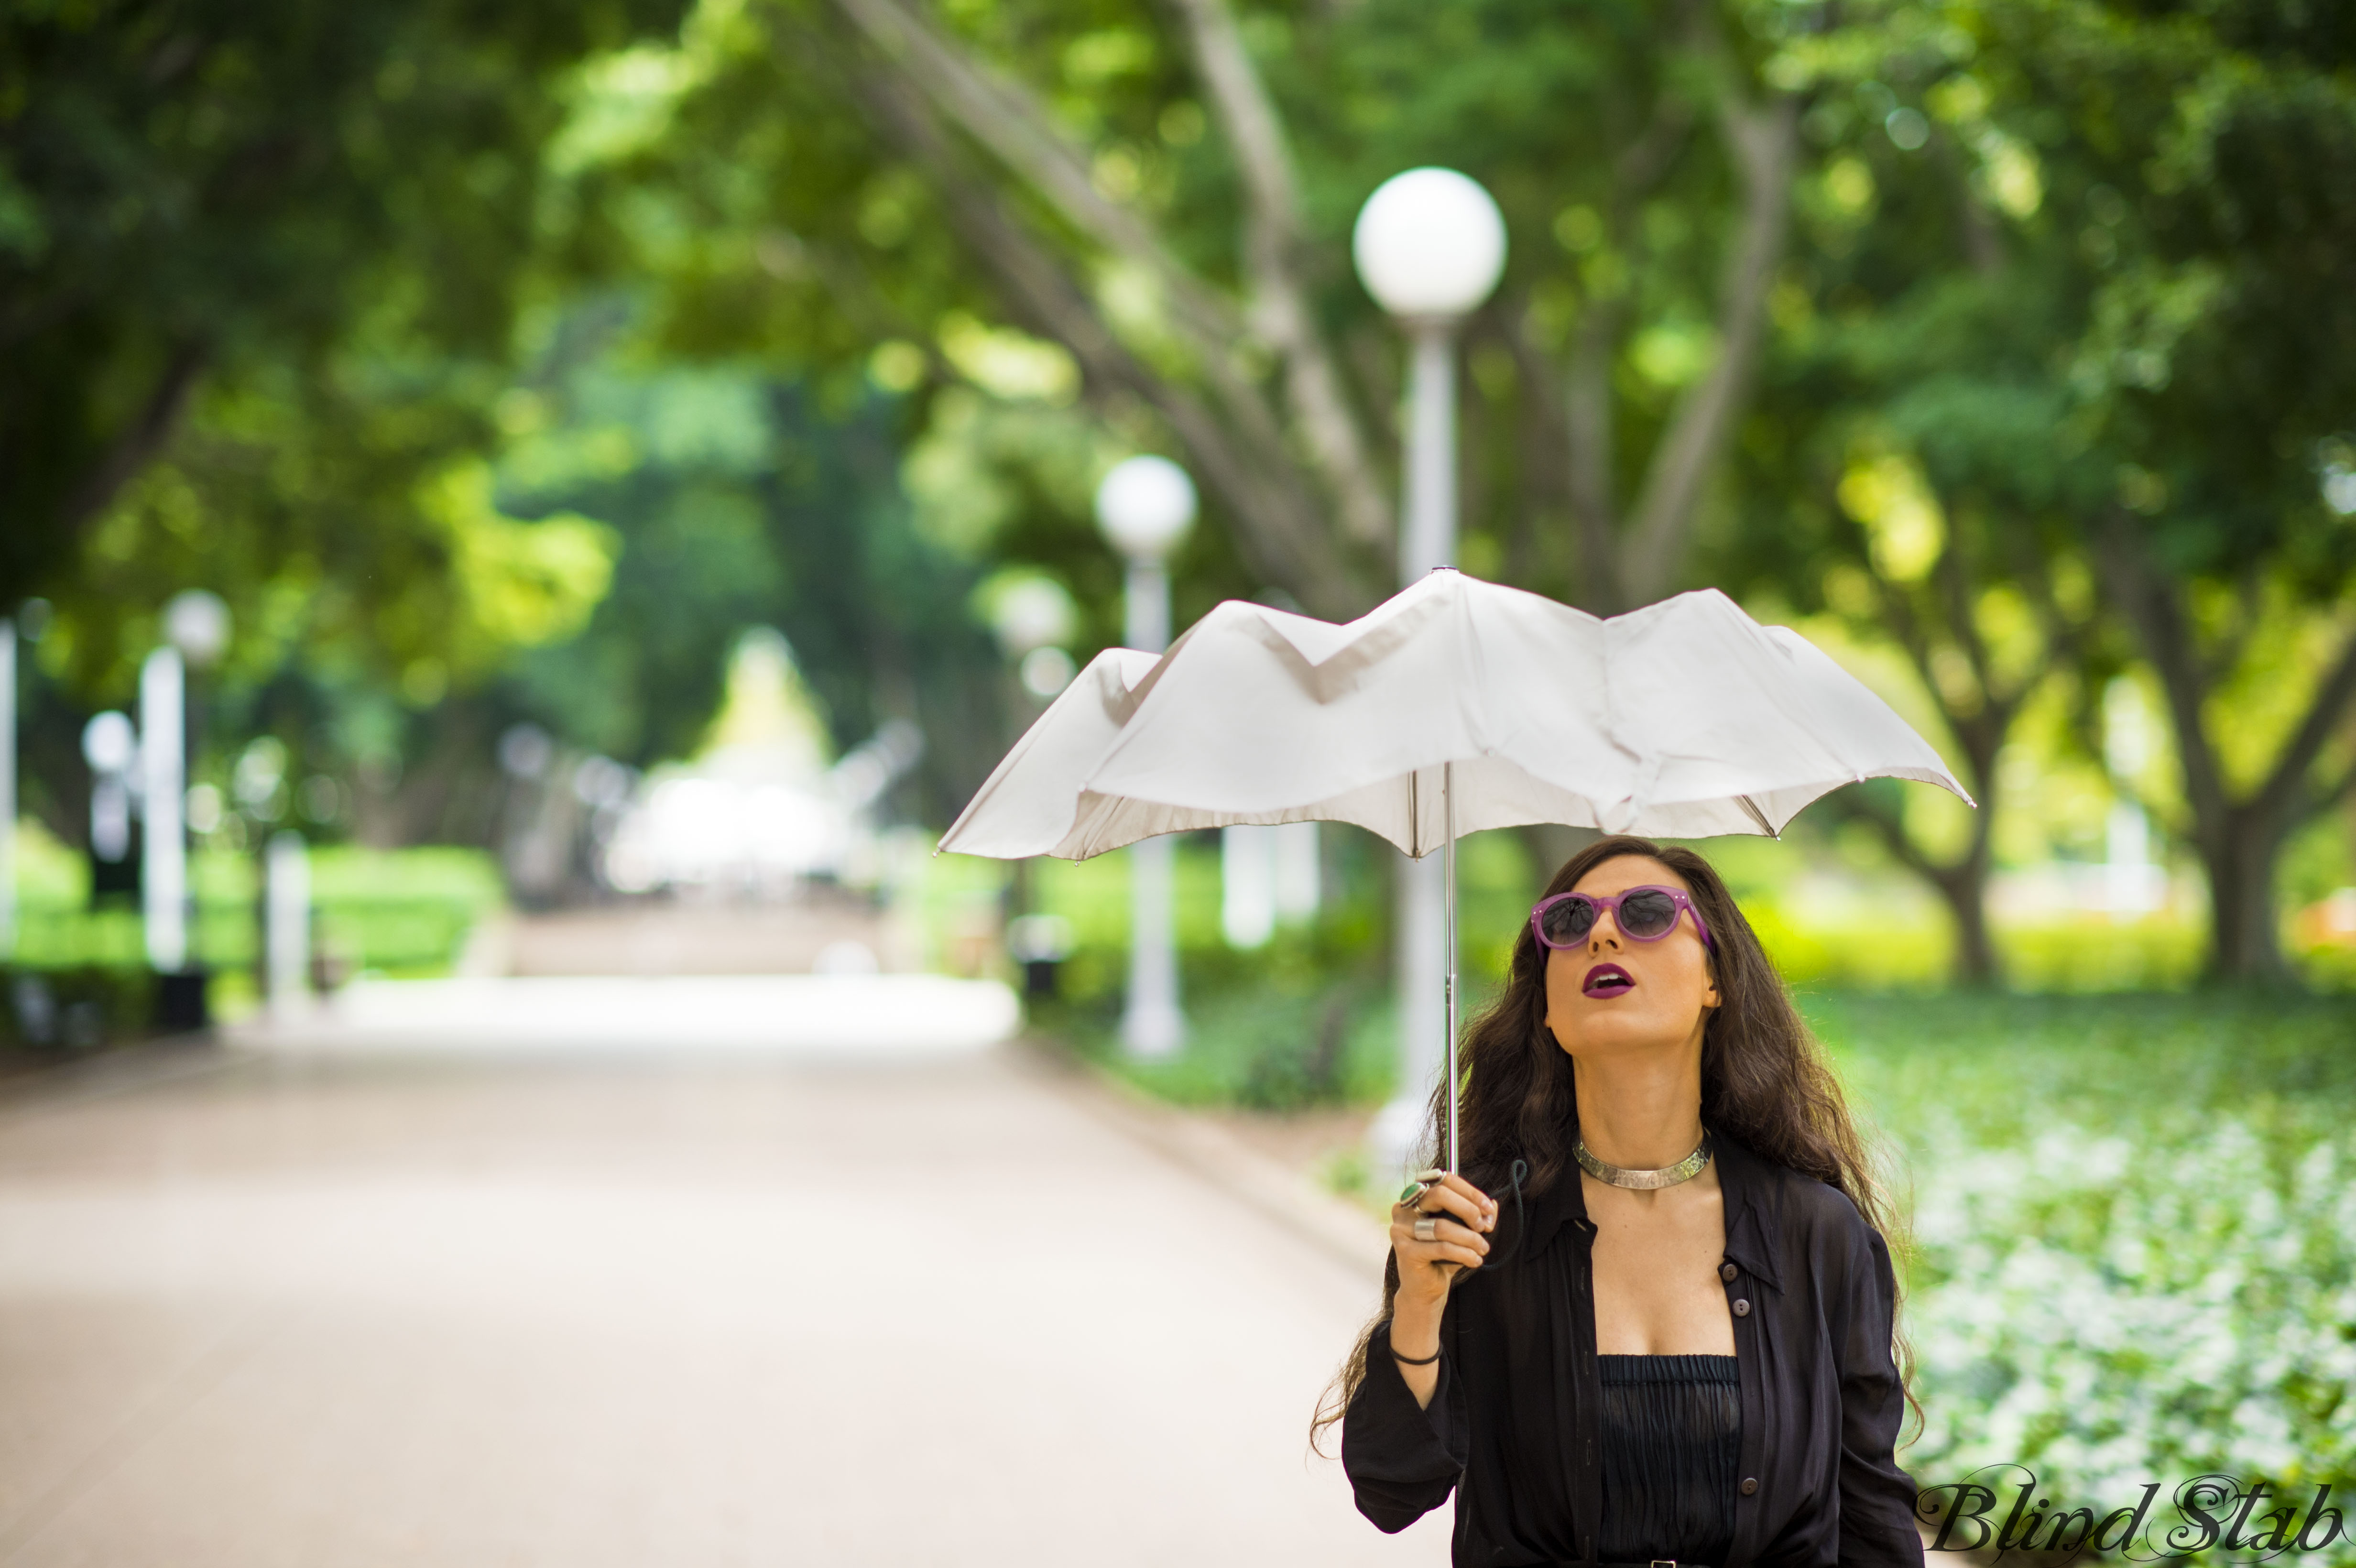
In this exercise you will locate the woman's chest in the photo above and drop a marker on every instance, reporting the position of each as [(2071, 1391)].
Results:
[(1659, 1288)]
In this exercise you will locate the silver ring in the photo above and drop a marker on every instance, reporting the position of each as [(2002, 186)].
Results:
[(1427, 1229)]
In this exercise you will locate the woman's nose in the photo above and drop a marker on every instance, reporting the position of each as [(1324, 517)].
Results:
[(1596, 934)]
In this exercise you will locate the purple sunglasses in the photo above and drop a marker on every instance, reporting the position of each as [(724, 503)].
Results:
[(1644, 914)]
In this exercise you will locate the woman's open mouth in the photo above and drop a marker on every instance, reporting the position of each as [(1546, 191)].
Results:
[(1608, 980)]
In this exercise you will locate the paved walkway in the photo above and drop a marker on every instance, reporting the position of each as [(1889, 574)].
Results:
[(813, 932), (334, 1303)]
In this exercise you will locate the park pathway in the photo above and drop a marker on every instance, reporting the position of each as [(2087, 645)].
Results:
[(343, 1296)]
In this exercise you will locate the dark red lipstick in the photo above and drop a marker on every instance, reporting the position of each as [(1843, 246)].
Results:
[(1608, 980)]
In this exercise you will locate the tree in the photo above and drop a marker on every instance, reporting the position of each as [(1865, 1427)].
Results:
[(2216, 368), (261, 268), (199, 193), (738, 500), (1902, 474), (2096, 320), (1167, 195)]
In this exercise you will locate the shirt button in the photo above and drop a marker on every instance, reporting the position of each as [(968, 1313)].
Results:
[(1742, 1309), (1750, 1485), (1727, 1273)]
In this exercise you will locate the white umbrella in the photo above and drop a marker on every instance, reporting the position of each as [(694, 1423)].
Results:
[(1455, 706), (1025, 807)]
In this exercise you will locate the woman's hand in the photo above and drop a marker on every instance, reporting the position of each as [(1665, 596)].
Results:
[(1462, 1216)]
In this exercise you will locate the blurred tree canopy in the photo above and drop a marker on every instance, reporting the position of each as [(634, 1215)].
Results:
[(287, 297), (2218, 363), (331, 210), (739, 501), (2074, 328), (1165, 197), (506, 364)]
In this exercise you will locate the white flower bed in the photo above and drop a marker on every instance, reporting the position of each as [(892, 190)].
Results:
[(2112, 1312)]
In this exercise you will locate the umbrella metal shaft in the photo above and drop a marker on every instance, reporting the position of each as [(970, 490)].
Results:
[(1448, 871)]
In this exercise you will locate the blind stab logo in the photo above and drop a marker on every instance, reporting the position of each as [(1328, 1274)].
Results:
[(2001, 1509)]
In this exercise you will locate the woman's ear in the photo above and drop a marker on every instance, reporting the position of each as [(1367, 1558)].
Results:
[(1709, 997)]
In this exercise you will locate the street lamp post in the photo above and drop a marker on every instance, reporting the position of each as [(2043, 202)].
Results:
[(7, 787), (1429, 245), (195, 631), (109, 744), (1033, 618), (286, 920), (164, 858), (1144, 507)]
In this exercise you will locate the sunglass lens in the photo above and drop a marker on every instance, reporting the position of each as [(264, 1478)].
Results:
[(1568, 921), (1648, 913)]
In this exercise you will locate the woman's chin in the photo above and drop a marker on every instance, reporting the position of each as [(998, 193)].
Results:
[(1609, 1035)]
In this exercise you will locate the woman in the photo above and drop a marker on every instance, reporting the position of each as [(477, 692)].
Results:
[(1680, 1349)]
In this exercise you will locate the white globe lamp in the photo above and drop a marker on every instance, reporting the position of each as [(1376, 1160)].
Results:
[(1032, 612), (108, 744), (197, 623), (1145, 505), (1144, 508), (1430, 244)]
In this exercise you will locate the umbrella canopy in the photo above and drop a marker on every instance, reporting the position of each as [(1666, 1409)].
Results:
[(1683, 720), (1025, 806)]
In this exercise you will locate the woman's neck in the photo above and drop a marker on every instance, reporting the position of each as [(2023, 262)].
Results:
[(1642, 1112)]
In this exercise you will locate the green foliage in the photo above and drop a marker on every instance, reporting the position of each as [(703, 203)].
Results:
[(72, 1009), (2060, 329), (399, 912), (222, 195), (505, 366), (1305, 1022), (2133, 1224), (2004, 1068), (739, 497), (814, 197), (674, 459)]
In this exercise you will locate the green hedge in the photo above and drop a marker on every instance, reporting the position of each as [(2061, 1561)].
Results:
[(2135, 1220), (404, 911), (73, 1009)]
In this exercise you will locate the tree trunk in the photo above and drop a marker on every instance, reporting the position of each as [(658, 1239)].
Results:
[(2244, 945), (1965, 883), (1965, 888), (1961, 883), (2237, 839)]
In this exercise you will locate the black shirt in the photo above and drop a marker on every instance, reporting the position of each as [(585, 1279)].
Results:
[(1514, 1423), (1671, 1442)]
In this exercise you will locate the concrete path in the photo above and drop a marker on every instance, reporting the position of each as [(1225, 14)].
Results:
[(330, 1304), (718, 938), (859, 1017)]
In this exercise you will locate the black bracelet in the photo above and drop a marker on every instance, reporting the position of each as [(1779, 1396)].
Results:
[(1411, 1362)]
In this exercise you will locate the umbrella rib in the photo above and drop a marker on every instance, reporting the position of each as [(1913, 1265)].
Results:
[(1415, 813)]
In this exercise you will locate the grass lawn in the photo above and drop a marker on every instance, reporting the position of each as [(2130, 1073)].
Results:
[(2000, 1068)]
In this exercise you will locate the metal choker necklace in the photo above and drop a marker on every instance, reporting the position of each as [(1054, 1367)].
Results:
[(1685, 1169)]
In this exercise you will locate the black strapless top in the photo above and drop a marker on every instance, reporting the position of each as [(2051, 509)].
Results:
[(1671, 1440)]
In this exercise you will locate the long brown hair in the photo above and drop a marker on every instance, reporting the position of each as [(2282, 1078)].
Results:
[(1764, 1082)]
